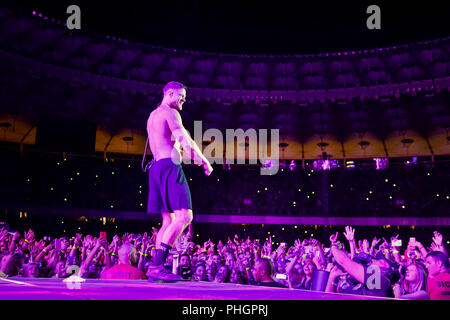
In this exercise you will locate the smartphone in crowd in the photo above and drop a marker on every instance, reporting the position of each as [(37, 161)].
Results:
[(397, 243), (102, 236), (412, 242), (281, 276)]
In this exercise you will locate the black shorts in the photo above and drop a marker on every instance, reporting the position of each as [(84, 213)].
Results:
[(168, 187)]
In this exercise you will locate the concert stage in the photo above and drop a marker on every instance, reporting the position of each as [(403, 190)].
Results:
[(95, 289)]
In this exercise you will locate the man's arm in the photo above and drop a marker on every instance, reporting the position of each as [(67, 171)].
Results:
[(182, 136), (353, 268)]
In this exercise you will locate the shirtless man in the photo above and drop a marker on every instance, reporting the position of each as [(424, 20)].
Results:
[(169, 192)]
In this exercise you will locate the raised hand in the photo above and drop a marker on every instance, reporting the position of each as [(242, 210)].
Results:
[(333, 237), (298, 247), (434, 247), (314, 242), (365, 245), (29, 236), (3, 234), (437, 239), (375, 242), (349, 233)]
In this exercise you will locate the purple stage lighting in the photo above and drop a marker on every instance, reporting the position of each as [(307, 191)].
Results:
[(292, 165), (381, 163), (322, 165), (411, 162)]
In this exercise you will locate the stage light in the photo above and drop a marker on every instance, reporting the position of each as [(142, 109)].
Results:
[(51, 189), (265, 189), (299, 190), (370, 192), (437, 195), (96, 175), (412, 162), (381, 163), (292, 165), (350, 165), (386, 180), (331, 186), (394, 185), (112, 172), (403, 207), (295, 227), (65, 199), (367, 199)]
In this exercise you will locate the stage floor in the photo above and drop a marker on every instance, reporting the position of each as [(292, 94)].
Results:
[(94, 289)]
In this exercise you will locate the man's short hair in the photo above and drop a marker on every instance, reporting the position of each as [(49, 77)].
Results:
[(125, 249), (173, 85), (440, 256)]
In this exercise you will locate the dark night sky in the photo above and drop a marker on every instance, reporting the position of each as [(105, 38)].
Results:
[(257, 27)]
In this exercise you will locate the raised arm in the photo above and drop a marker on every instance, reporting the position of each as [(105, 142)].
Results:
[(350, 236), (353, 268)]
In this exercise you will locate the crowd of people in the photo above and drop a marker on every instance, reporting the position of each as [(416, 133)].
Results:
[(93, 183), (341, 264)]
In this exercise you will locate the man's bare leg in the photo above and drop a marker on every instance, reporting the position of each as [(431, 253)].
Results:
[(167, 218), (181, 219)]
